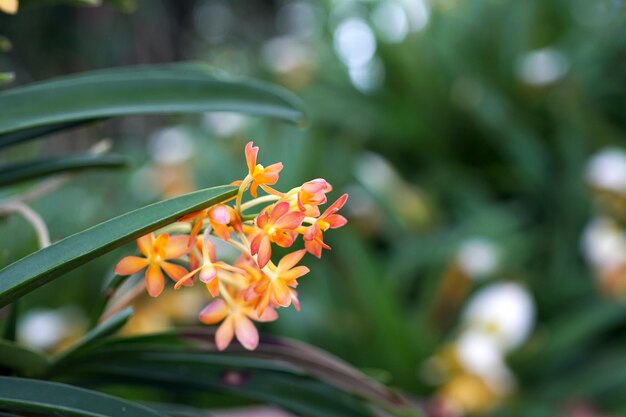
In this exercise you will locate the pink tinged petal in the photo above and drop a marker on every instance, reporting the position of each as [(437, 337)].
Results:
[(333, 208), (281, 293), (290, 260), (335, 221), (174, 271), (177, 246), (207, 273), (278, 211), (208, 249), (268, 315), (265, 252), (214, 312), (186, 280), (284, 239), (255, 244), (294, 299), (154, 280), (251, 155), (313, 247), (289, 221), (219, 214), (246, 333), (294, 273), (213, 287), (311, 232), (225, 333), (262, 219), (145, 243), (130, 265)]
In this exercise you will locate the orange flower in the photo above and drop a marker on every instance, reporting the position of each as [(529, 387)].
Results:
[(237, 315), (208, 268), (156, 252), (311, 195), (274, 287), (313, 237), (220, 217), (258, 175), (278, 226)]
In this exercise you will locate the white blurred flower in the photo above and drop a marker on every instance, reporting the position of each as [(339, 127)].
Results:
[(478, 257), (607, 170), (44, 328), (368, 77), (503, 311), (542, 66), (418, 14), (376, 172), (480, 355), (354, 42), (604, 244), (170, 146), (390, 21)]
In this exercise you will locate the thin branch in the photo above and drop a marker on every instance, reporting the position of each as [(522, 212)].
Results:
[(43, 236)]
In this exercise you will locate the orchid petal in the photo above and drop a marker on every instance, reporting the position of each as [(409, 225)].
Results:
[(246, 333), (174, 271), (154, 280), (289, 261), (145, 243), (130, 265), (214, 312), (225, 333)]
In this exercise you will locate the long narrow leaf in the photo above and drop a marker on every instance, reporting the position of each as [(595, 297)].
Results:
[(21, 359), (23, 171), (49, 263), (178, 88), (51, 398)]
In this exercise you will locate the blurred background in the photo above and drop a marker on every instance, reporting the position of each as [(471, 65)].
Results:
[(482, 142)]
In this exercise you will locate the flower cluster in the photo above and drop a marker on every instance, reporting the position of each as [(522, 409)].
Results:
[(253, 287)]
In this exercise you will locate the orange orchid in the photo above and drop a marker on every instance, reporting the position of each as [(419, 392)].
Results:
[(237, 315), (279, 226), (156, 252), (275, 289), (207, 269), (253, 287), (313, 239), (311, 195), (258, 175), (220, 217)]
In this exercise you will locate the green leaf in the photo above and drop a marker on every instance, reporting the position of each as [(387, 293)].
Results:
[(28, 134), (23, 171), (51, 398), (42, 266), (179, 88), (102, 331), (190, 356), (22, 360), (314, 362)]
